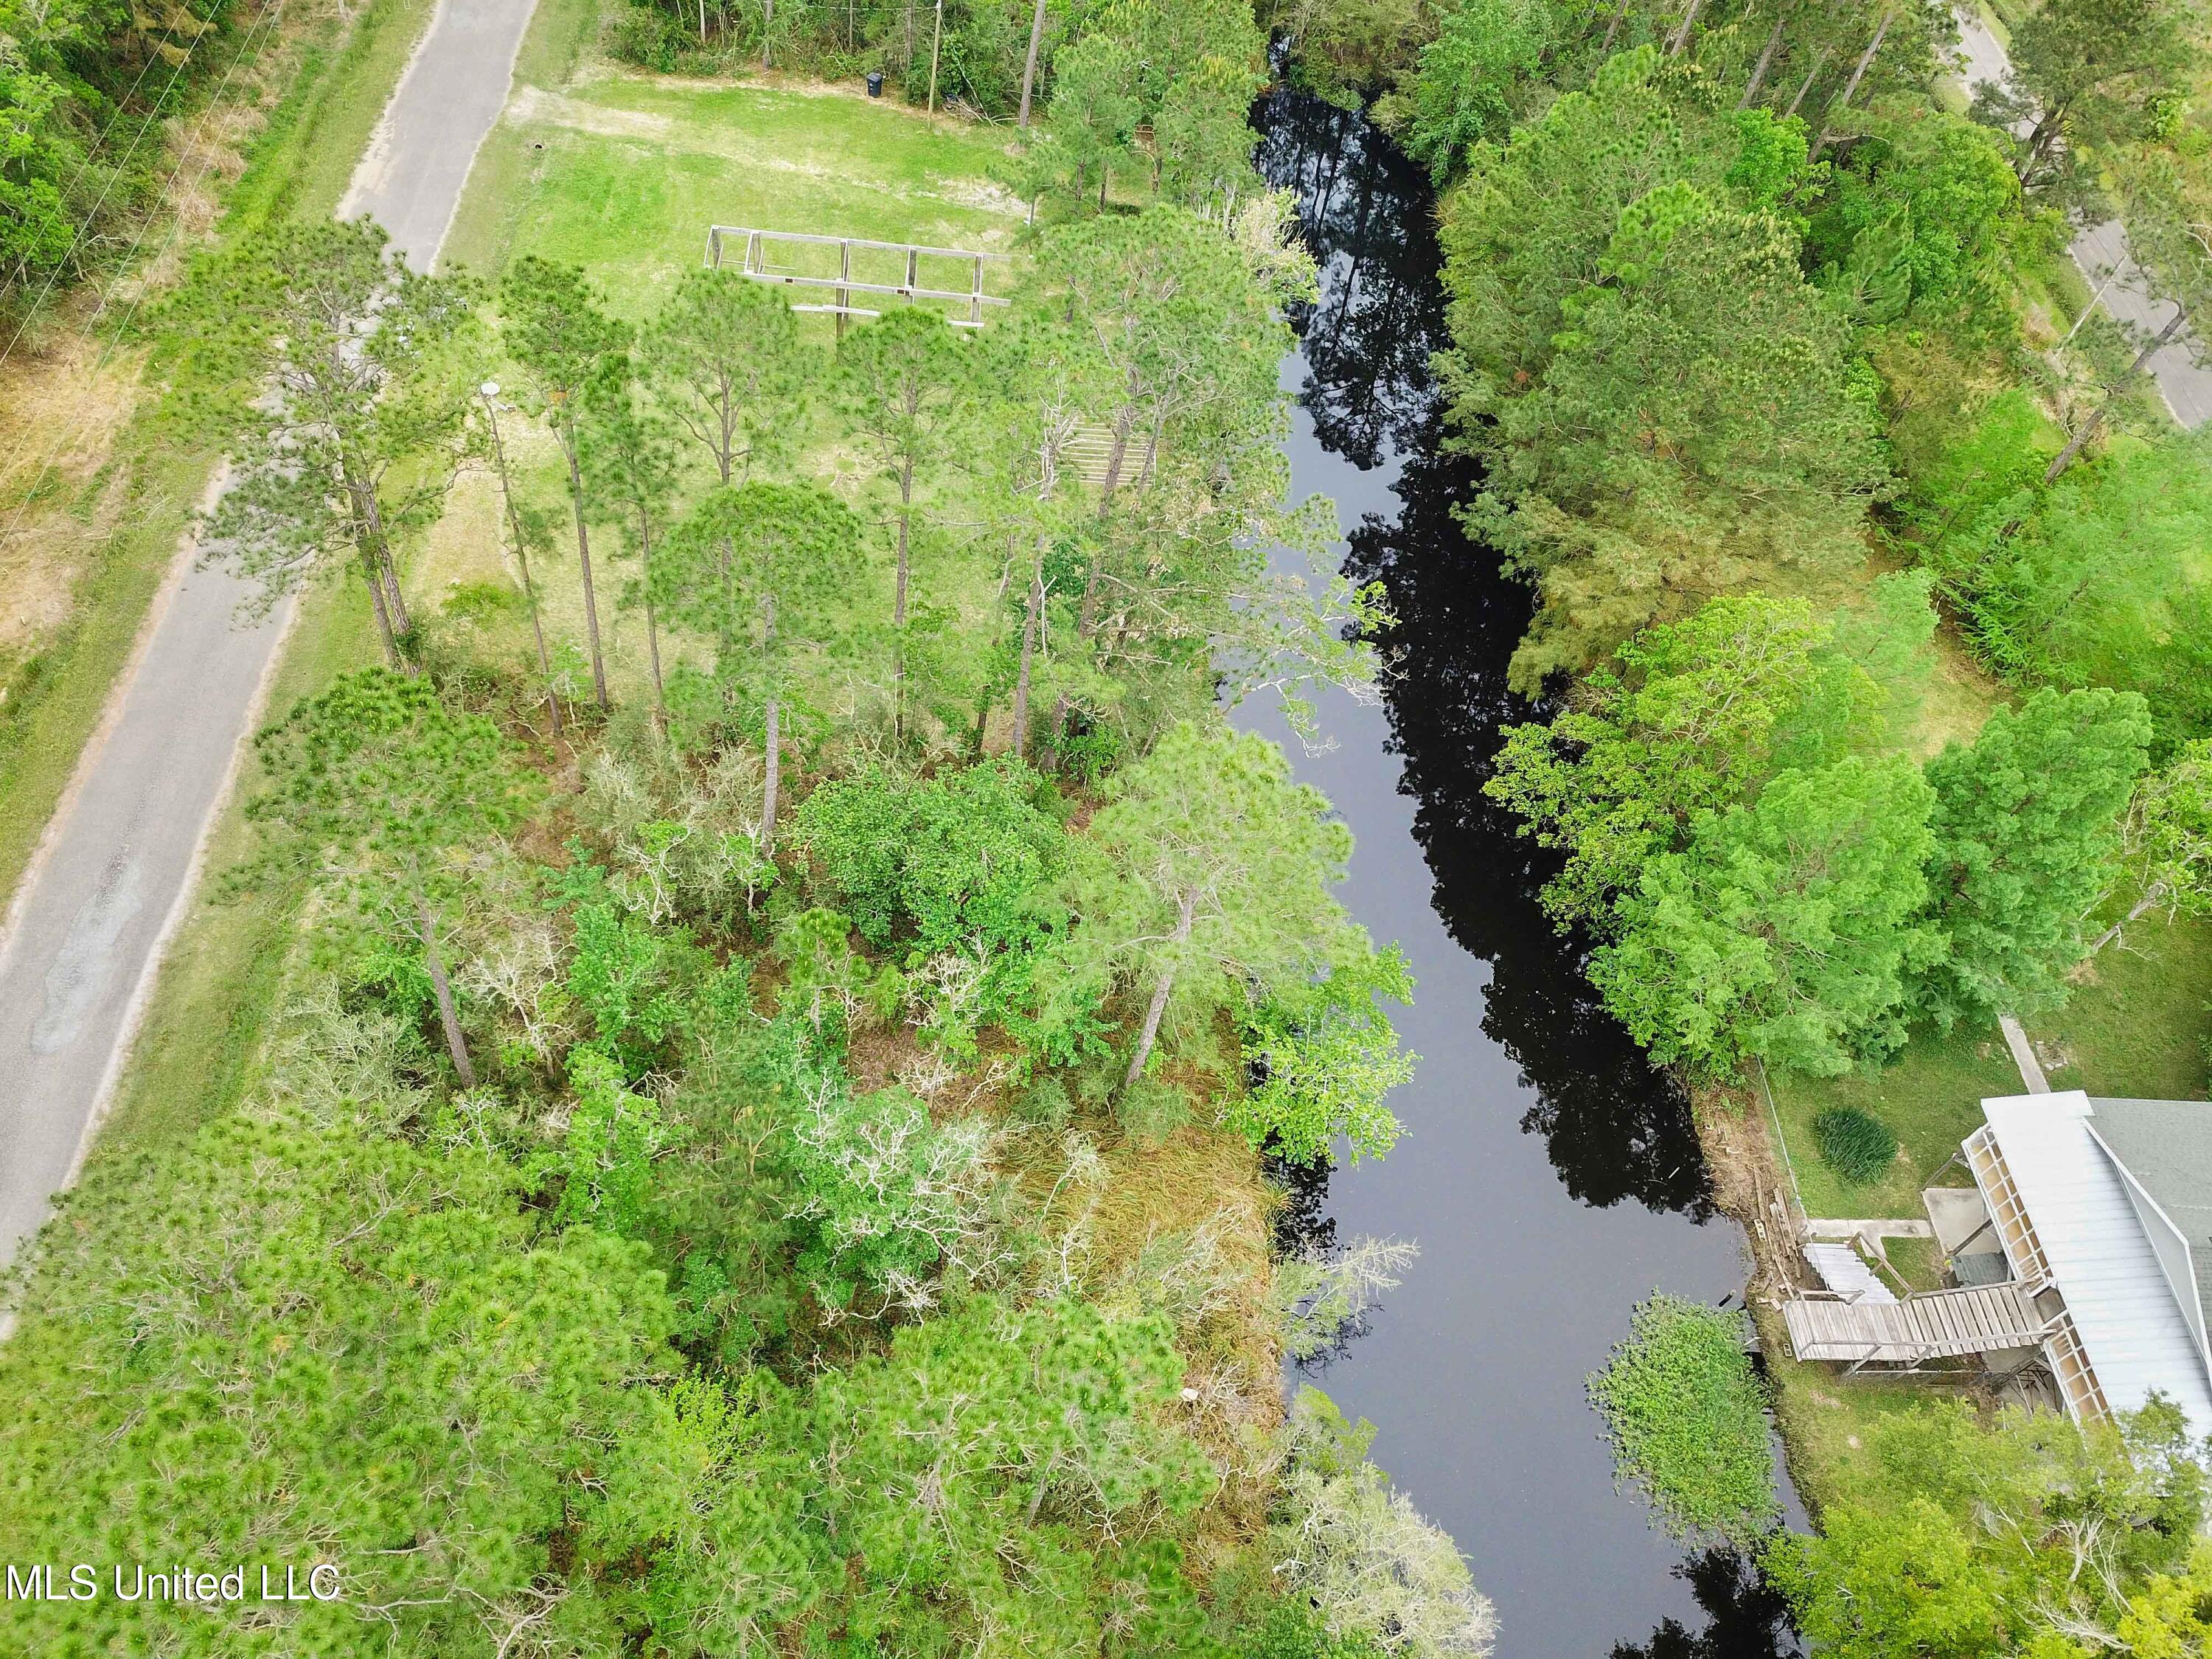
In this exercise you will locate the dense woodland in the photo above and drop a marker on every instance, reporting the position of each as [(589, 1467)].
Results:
[(760, 1147), (759, 1151), (1726, 367)]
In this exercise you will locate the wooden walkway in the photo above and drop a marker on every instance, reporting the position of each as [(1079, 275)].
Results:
[(1939, 1325)]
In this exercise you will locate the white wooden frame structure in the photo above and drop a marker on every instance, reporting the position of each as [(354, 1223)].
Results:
[(755, 262)]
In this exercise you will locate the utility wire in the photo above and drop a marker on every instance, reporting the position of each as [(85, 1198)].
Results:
[(176, 224), (99, 140), (92, 213)]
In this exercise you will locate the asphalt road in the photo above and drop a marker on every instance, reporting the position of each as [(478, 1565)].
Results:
[(2100, 252), (117, 867)]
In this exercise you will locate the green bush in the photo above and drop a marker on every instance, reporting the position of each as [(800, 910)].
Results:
[(1687, 1416), (1858, 1146), (960, 858)]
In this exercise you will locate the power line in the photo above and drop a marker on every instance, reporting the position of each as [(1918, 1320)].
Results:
[(92, 213), (176, 224)]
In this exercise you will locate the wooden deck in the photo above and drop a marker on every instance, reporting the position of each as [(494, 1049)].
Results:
[(1941, 1325)]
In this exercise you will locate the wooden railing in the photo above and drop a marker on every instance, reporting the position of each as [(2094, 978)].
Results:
[(756, 260)]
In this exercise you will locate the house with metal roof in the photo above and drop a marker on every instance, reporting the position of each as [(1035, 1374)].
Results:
[(2086, 1243), (2103, 1209)]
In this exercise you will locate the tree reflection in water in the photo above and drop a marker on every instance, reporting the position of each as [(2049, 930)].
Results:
[(1748, 1619), (1615, 1126)]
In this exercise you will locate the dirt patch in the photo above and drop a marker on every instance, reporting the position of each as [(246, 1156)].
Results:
[(533, 105), (1749, 1183)]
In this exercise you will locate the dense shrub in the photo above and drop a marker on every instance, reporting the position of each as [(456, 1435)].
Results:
[(1686, 1415), (1858, 1146), (957, 858)]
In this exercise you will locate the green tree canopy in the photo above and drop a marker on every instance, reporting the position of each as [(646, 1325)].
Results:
[(381, 792), (1669, 410), (337, 377), (555, 324), (295, 1341), (1210, 883), (2027, 830), (724, 358), (768, 572), (2092, 73), (1788, 929), (1695, 720), (2028, 1536)]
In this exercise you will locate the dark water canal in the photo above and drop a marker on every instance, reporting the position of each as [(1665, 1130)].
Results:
[(1549, 1175)]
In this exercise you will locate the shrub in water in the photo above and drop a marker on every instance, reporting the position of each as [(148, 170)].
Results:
[(1857, 1145), (1686, 1415)]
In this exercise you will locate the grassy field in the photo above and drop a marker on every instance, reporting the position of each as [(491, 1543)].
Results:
[(2139, 1019), (1930, 1097), (623, 172), (100, 532)]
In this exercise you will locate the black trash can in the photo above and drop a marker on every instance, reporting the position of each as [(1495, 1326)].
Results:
[(875, 83)]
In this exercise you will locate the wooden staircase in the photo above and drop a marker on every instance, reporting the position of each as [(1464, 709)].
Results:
[(1935, 1325)]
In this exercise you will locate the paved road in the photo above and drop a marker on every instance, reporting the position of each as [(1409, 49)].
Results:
[(89, 924), (2102, 250)]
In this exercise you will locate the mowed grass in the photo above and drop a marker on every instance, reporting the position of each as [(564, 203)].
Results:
[(1930, 1097), (623, 174), (2138, 1023)]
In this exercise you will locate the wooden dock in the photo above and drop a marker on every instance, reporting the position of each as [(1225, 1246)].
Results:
[(1938, 1325)]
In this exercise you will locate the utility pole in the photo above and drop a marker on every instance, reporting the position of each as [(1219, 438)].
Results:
[(935, 40)]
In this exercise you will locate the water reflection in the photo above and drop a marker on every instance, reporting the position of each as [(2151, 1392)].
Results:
[(1381, 314), (1615, 1126), (1746, 1619), (1526, 1127)]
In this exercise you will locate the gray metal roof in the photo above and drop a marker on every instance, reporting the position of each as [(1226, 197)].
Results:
[(2126, 1305), (2165, 1149)]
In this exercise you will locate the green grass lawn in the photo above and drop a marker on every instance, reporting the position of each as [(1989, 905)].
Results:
[(1915, 1260), (2138, 1023), (623, 174), (1931, 1098)]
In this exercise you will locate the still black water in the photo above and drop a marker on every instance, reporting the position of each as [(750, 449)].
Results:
[(1549, 1176)]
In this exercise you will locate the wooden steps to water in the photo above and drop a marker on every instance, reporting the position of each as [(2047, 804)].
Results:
[(1939, 1325), (1843, 1271)]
